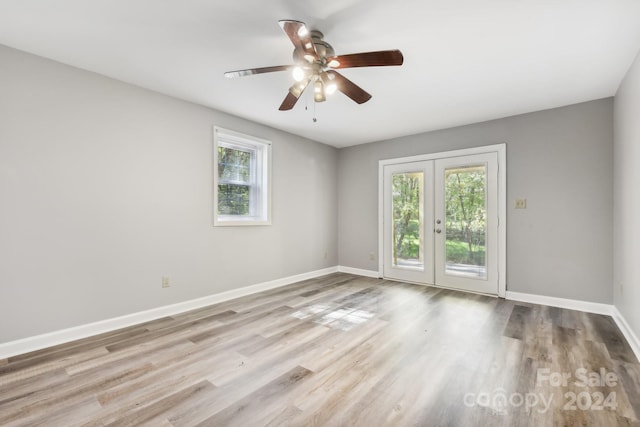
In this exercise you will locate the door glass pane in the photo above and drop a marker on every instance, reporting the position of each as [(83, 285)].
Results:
[(466, 221), (407, 204)]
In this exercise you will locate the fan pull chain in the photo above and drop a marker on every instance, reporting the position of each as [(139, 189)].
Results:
[(306, 107)]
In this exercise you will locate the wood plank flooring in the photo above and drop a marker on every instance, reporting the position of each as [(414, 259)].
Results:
[(340, 350)]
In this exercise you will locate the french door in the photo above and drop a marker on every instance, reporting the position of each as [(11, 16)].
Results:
[(440, 222)]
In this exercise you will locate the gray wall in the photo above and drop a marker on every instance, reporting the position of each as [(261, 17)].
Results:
[(626, 248), (106, 187), (560, 160)]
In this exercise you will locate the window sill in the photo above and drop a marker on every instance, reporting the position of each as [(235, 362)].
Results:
[(239, 223)]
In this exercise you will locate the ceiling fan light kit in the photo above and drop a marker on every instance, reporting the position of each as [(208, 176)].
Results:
[(315, 63)]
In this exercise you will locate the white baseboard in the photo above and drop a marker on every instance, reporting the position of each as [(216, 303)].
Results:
[(586, 306), (358, 271), (38, 342), (628, 333), (50, 339), (571, 304)]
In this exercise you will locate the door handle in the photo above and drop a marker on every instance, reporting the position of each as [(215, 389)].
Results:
[(438, 230)]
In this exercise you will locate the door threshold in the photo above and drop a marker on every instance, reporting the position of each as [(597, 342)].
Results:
[(431, 285)]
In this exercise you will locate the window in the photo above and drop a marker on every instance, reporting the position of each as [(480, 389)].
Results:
[(241, 179)]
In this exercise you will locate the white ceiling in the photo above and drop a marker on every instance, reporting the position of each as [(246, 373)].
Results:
[(465, 60)]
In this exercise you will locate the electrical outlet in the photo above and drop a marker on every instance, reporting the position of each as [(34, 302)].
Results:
[(326, 255), (521, 204), (621, 288), (165, 282), (372, 256)]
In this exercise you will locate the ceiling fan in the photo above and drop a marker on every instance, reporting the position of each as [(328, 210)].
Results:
[(315, 63)]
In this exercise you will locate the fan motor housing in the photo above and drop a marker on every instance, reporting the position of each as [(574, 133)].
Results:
[(323, 49)]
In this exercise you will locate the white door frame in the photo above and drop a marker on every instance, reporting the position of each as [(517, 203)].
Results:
[(426, 274), (501, 150)]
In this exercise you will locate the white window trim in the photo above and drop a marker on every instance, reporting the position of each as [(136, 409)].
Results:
[(261, 145)]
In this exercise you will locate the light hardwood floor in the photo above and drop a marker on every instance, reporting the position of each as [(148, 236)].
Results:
[(340, 350)]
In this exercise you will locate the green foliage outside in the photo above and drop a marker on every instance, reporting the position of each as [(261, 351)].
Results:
[(458, 253), (233, 199), (234, 175), (406, 191), (466, 215), (465, 221)]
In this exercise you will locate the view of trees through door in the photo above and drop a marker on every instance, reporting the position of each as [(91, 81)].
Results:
[(465, 219), (407, 194)]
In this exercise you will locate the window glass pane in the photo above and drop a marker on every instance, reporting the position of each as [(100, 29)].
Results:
[(466, 221), (234, 165), (233, 199)]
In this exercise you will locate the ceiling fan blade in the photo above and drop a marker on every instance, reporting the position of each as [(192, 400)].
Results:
[(300, 36), (252, 71), (380, 58), (294, 94), (349, 88), (288, 103)]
